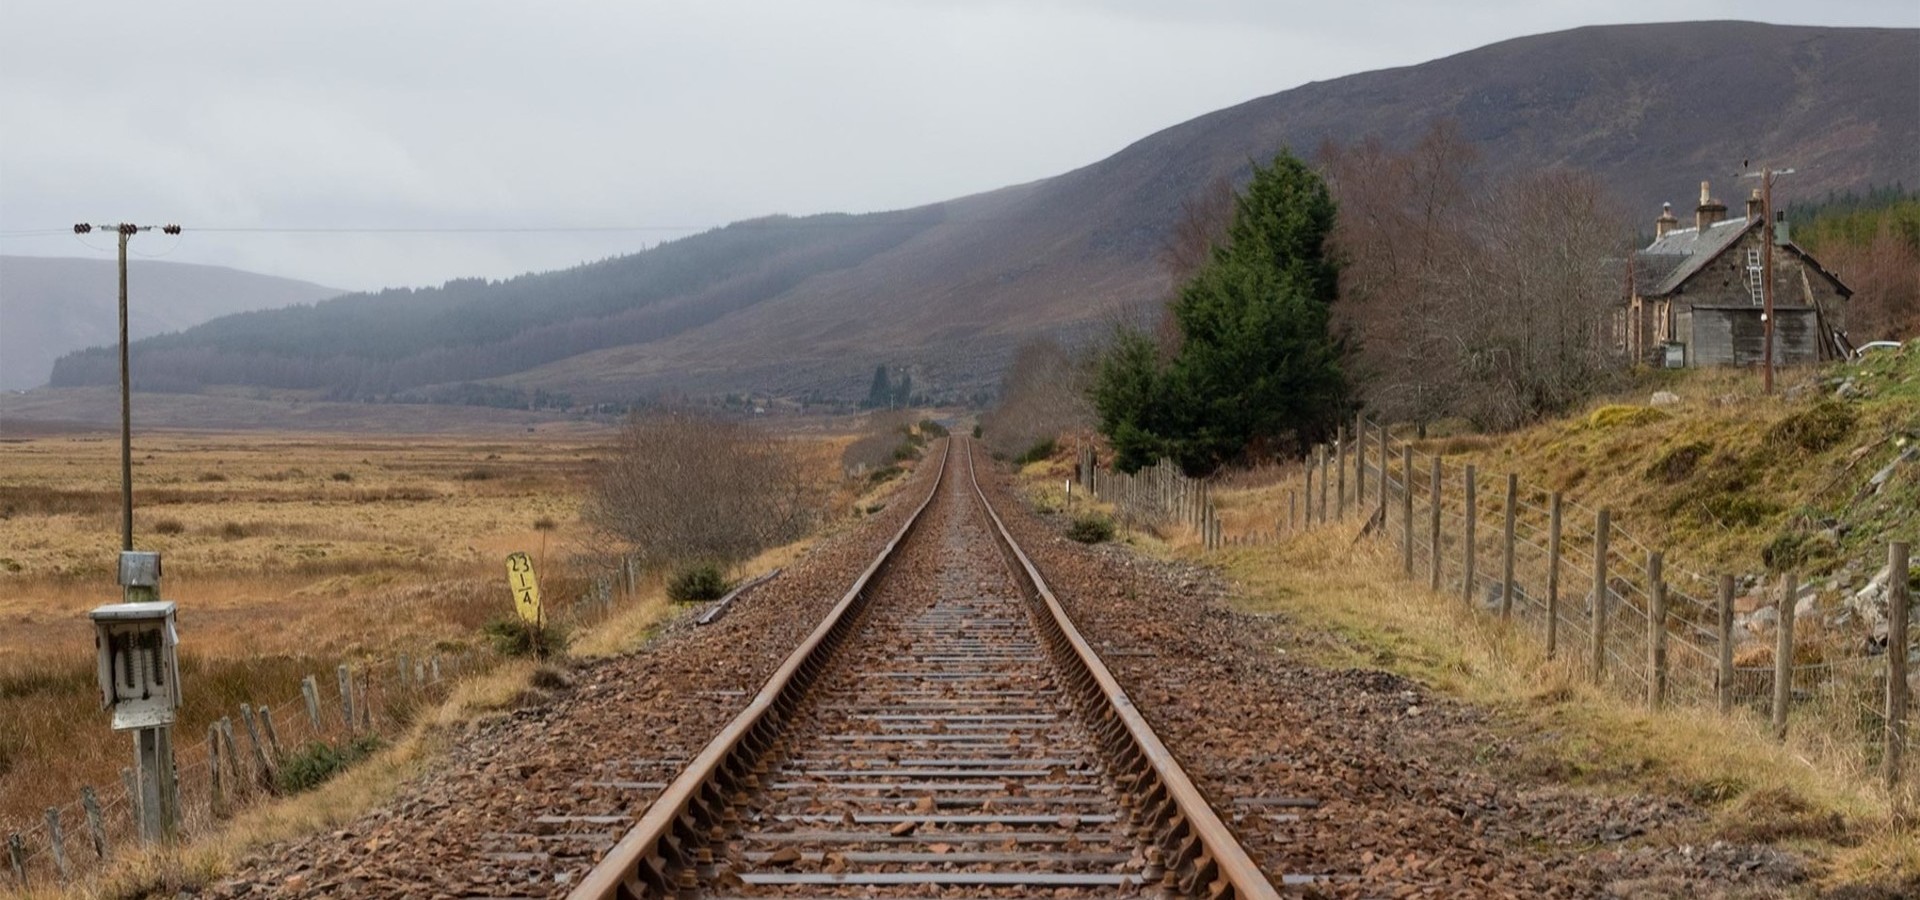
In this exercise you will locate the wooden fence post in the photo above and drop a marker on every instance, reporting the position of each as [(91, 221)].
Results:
[(1656, 632), (310, 692), (1433, 526), (400, 663), (96, 823), (1723, 672), (1899, 607), (1309, 491), (59, 843), (232, 751), (263, 767), (1340, 448), (273, 737), (1360, 463), (133, 792), (1324, 480), (1783, 656), (1469, 557), (346, 695), (1506, 559), (433, 668), (1600, 592), (216, 792), (1406, 511), (1553, 574), (17, 854), (1380, 474)]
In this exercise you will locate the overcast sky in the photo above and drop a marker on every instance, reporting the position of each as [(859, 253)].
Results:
[(662, 117)]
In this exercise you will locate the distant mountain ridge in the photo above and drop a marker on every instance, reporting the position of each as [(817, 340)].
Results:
[(800, 306), (51, 306)]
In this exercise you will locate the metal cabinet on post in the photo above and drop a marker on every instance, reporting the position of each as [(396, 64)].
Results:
[(139, 673)]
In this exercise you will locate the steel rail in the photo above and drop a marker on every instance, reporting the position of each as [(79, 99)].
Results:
[(1199, 856), (664, 853)]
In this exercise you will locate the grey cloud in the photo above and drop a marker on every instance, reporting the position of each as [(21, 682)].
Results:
[(421, 114)]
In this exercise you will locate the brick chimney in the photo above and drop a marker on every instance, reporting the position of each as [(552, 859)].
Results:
[(1709, 210), (1754, 204), (1666, 223)]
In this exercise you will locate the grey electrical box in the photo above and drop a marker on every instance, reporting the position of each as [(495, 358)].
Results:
[(1673, 355), (139, 667)]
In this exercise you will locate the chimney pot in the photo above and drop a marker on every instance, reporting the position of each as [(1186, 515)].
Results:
[(1709, 211), (1666, 223), (1755, 206)]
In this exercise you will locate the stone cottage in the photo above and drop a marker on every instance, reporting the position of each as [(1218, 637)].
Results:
[(1695, 297)]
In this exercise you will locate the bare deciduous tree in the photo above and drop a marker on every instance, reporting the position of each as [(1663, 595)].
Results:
[(1548, 271), (1201, 227), (1885, 276), (680, 487), (1043, 394), (1467, 297), (1402, 233)]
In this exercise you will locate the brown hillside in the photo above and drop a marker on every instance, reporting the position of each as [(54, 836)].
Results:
[(947, 290), (1651, 108)]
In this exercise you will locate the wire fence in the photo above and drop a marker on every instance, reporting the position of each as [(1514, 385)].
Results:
[(1561, 570)]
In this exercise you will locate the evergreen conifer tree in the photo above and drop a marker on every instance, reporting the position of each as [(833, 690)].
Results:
[(1257, 358)]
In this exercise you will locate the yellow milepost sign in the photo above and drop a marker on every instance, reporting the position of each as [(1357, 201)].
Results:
[(526, 590)]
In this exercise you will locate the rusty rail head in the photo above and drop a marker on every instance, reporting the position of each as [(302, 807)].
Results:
[(631, 866), (1219, 859)]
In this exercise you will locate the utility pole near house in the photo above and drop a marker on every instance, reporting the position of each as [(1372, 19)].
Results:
[(1766, 176), (126, 232)]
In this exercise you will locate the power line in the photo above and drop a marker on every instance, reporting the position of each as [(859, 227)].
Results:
[(825, 220)]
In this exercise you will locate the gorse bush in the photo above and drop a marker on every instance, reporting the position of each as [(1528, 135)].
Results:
[(511, 635), (1039, 450), (316, 762), (697, 583), (1090, 528)]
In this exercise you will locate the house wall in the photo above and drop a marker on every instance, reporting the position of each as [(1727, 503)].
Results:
[(1735, 336)]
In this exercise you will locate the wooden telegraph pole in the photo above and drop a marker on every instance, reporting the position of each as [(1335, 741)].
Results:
[(1766, 176), (126, 232), (157, 799)]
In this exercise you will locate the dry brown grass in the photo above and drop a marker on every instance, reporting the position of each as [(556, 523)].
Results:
[(1352, 595), (280, 570), (408, 532)]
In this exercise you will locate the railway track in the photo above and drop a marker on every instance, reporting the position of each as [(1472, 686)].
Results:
[(944, 731)]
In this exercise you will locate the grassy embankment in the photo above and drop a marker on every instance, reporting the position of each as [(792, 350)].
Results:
[(288, 554), (1757, 485)]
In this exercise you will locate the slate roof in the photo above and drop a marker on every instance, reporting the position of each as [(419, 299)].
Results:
[(1676, 256), (1680, 254)]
